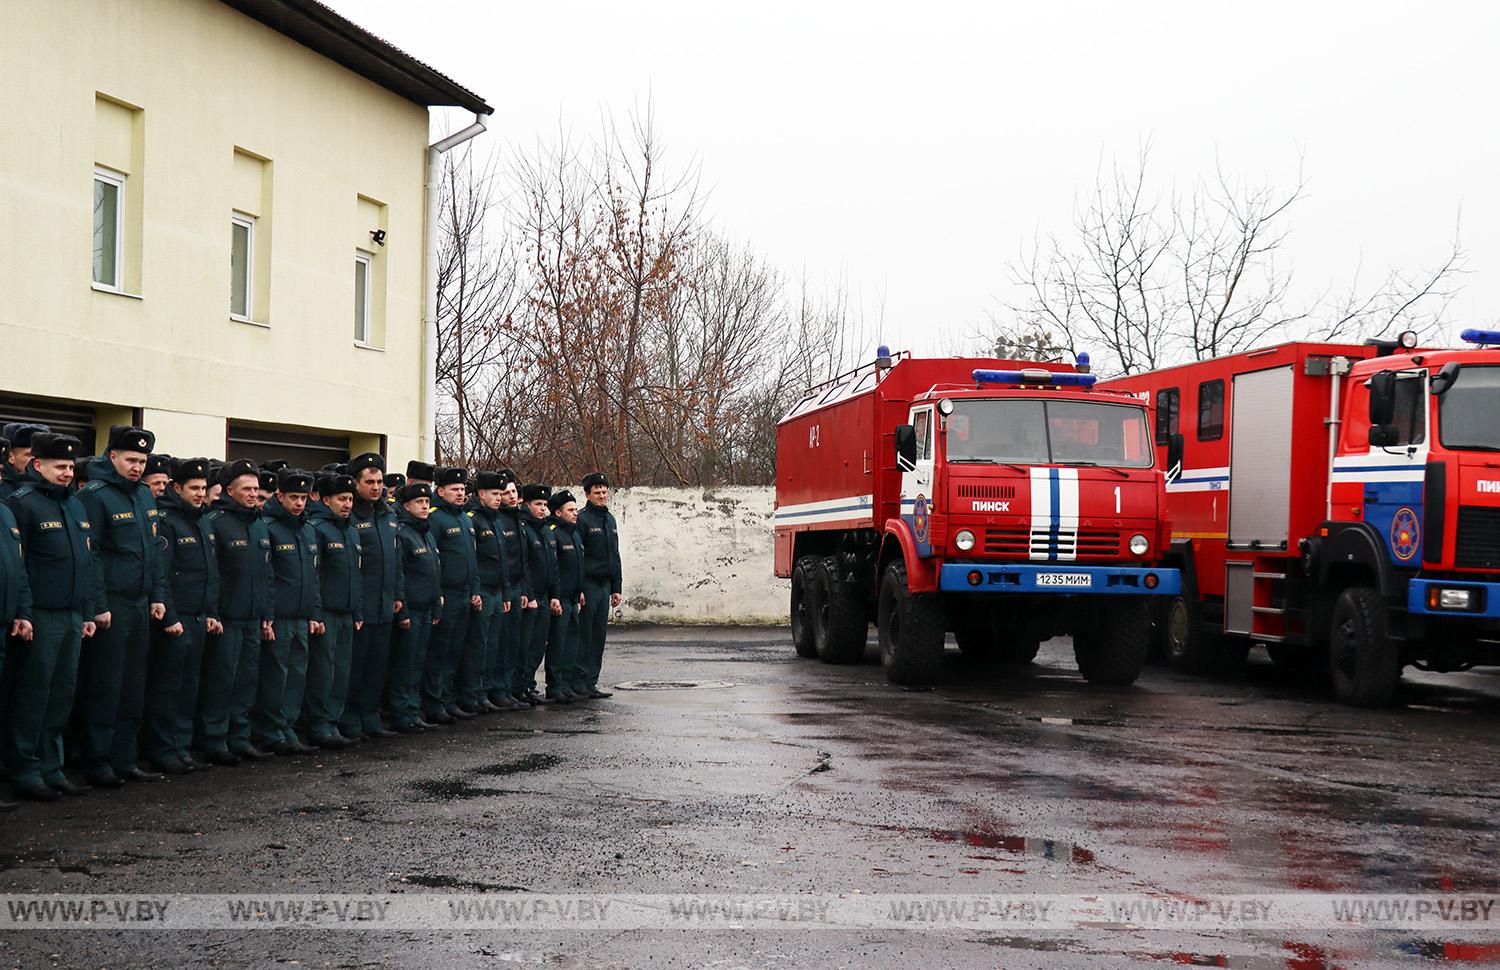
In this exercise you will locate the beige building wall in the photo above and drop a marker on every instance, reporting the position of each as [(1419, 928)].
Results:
[(206, 113)]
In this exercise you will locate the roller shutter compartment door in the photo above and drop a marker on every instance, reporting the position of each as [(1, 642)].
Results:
[(1260, 459), (304, 449), (63, 417)]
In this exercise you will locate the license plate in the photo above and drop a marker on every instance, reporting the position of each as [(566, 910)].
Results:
[(1064, 579)]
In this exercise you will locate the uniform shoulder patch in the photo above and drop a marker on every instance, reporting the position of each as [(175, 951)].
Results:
[(92, 487)]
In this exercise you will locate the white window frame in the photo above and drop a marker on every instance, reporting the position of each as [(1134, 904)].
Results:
[(240, 219), (117, 179), (360, 256)]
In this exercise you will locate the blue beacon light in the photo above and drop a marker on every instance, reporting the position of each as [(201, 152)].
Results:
[(1481, 337), (1037, 376)]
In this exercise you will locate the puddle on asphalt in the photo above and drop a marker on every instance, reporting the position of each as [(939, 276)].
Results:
[(1057, 851), (531, 762), (452, 789)]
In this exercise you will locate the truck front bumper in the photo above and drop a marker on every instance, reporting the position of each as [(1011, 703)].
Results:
[(1428, 596), (1058, 579)]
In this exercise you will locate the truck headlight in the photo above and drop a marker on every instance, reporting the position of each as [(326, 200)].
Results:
[(1453, 599), (964, 540), (1139, 544)]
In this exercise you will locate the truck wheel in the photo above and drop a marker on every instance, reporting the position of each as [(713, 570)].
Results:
[(1185, 643), (1113, 651), (1364, 661), (802, 606), (911, 630), (842, 625)]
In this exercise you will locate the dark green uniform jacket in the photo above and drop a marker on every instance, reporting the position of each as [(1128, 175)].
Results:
[(541, 558), (419, 561), (60, 562), (10, 480), (455, 538), (490, 550), (190, 560), (15, 589), (244, 546), (338, 561), (568, 546), (380, 559), (123, 514), (513, 548), (601, 546), (294, 563)]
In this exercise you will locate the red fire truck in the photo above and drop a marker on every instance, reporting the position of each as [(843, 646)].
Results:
[(1007, 502), (1338, 503)]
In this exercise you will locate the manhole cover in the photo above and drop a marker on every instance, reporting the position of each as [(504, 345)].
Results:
[(673, 685)]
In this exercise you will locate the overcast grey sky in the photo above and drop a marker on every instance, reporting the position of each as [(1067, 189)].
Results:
[(915, 148)]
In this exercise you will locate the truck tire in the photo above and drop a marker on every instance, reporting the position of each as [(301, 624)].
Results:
[(911, 630), (842, 626), (802, 607), (1186, 644), (1365, 663), (1112, 652)]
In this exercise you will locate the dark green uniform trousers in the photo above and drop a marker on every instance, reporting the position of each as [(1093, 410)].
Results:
[(329, 655), (505, 637), (408, 663), (283, 680), (241, 637), (112, 689), (172, 690), (593, 623), (562, 652), (41, 676), (372, 645), (478, 661), (221, 655), (533, 644), (444, 652)]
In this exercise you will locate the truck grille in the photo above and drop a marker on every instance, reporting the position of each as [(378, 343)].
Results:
[(1023, 543), (1478, 538), (986, 491)]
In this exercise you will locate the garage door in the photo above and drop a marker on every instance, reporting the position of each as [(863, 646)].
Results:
[(64, 417), (304, 449)]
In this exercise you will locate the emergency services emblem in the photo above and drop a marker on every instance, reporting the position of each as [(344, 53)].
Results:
[(919, 517), (1406, 534)]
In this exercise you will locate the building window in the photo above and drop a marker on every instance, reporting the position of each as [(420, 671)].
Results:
[(1168, 407), (362, 299), (241, 267), (1211, 410), (109, 221)]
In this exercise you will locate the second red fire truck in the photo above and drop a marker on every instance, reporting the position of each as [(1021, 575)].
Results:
[(1338, 503), (1004, 501)]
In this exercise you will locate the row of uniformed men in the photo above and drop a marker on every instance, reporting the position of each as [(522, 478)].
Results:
[(156, 607)]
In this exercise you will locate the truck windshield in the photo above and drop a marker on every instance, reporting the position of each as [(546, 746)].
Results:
[(1468, 409), (1029, 431)]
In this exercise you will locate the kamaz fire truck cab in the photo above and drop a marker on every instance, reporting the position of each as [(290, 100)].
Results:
[(1344, 507), (1007, 503)]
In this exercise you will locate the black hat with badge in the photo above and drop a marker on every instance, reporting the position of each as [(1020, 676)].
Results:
[(394, 480), (4, 449), (486, 480), (291, 480), (47, 445), (530, 493), (159, 464), (450, 475), (237, 469), (559, 499), (277, 465), (329, 485), (184, 470), (369, 459), (20, 433), (413, 490), (421, 471), (509, 476), (267, 481), (594, 480), (126, 437)]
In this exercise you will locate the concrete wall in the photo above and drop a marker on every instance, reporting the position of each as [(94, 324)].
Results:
[(696, 556), (206, 112)]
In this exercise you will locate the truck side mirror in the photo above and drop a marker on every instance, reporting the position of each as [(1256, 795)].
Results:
[(1444, 378), (1174, 457), (906, 447), (1383, 398)]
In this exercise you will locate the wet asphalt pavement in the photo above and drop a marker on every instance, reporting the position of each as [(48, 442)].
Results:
[(805, 778)]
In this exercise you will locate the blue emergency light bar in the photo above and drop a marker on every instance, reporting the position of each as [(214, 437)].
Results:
[(1480, 336), (1034, 375)]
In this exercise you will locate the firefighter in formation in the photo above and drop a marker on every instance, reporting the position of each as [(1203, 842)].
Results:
[(165, 614)]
